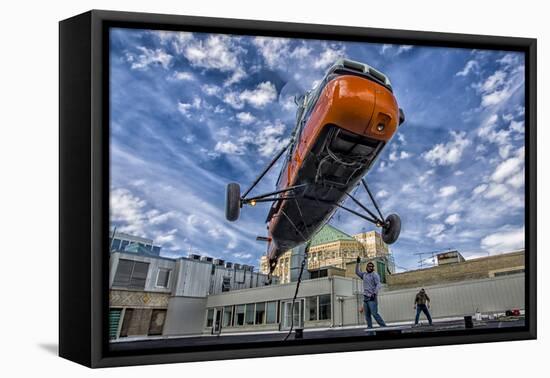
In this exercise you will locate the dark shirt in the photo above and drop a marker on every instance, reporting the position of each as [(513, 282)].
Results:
[(421, 298)]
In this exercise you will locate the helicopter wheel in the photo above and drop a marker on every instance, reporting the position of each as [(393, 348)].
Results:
[(233, 202), (391, 228)]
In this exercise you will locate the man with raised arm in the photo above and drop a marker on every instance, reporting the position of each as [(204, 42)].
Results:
[(371, 286)]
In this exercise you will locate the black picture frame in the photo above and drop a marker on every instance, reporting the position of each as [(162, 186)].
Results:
[(84, 190)]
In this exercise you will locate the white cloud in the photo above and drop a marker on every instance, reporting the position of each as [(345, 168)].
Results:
[(494, 81), (147, 58), (425, 175), (447, 191), (496, 190), (407, 188), (502, 138), (504, 241), (435, 215), (245, 118), (507, 168), (184, 76), (211, 90), (218, 52), (405, 155), (517, 181), (394, 49), (471, 66), (215, 52), (479, 189), (300, 52), (401, 139), (185, 108), (455, 206), (453, 219), (382, 194), (167, 237), (328, 57), (127, 208), (263, 94), (403, 48), (268, 141), (242, 255), (130, 214), (273, 50), (449, 153), (517, 126), (435, 231), (385, 47), (216, 233), (394, 155), (155, 217), (496, 89), (228, 147)]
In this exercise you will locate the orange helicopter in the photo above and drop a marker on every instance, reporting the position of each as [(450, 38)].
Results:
[(342, 126)]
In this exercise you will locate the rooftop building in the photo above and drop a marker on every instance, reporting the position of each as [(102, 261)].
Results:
[(144, 286), (333, 248), (122, 242)]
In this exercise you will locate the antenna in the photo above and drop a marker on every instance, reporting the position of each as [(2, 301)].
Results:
[(422, 261), (112, 240)]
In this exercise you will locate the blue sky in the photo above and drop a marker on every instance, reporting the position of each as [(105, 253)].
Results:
[(191, 112)]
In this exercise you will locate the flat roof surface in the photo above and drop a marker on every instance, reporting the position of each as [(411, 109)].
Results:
[(336, 332)]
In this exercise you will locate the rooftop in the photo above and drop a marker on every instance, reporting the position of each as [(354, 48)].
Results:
[(329, 234)]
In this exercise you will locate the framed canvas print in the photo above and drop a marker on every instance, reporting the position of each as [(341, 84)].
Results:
[(234, 188)]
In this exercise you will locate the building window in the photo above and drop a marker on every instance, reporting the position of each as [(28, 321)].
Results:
[(163, 277), (271, 316), (260, 313), (115, 245), (227, 316), (157, 322), (324, 307), (131, 274), (156, 250), (210, 317), (124, 244), (239, 315), (226, 284), (312, 308), (249, 314)]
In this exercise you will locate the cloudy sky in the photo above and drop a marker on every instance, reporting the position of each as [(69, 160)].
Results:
[(191, 112)]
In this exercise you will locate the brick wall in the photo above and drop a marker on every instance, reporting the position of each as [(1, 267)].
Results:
[(467, 270)]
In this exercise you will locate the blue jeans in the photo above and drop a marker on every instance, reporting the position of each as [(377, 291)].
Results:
[(371, 308), (422, 308)]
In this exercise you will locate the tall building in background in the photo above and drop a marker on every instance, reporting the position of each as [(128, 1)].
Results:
[(333, 248)]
